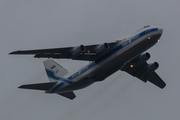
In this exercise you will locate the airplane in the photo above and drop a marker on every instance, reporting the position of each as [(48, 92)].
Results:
[(104, 60)]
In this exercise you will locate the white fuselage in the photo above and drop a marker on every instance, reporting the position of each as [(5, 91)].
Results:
[(111, 61)]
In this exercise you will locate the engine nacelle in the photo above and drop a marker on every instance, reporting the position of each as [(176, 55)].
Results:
[(78, 50), (102, 48), (152, 67), (143, 58)]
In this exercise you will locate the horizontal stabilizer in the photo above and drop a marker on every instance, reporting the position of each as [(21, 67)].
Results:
[(69, 95), (39, 86)]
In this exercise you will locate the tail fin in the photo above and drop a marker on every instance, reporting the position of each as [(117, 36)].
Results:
[(54, 70)]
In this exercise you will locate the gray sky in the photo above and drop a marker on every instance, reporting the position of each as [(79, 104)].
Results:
[(32, 24)]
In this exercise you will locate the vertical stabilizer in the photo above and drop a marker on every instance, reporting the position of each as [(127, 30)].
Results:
[(54, 70)]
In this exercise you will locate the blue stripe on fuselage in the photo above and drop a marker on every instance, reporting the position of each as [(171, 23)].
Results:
[(124, 44), (121, 46)]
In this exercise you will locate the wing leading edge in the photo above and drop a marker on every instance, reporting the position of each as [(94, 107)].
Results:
[(89, 53)]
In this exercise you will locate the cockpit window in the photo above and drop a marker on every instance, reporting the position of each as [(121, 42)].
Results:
[(142, 28), (146, 26)]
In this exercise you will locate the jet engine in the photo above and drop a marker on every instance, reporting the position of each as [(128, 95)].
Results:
[(78, 50), (102, 48), (143, 58), (152, 67)]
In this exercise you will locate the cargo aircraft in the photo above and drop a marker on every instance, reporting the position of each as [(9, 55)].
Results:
[(104, 60)]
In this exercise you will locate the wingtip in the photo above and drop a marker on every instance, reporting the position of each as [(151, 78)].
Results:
[(20, 86), (14, 52), (23, 87), (10, 53), (163, 86)]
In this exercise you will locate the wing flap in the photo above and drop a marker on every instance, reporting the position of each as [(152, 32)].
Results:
[(69, 95), (38, 86)]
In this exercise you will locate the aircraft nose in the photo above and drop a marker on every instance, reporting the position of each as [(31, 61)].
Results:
[(160, 30)]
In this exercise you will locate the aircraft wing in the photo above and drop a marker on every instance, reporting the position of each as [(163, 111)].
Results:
[(89, 53), (139, 70)]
